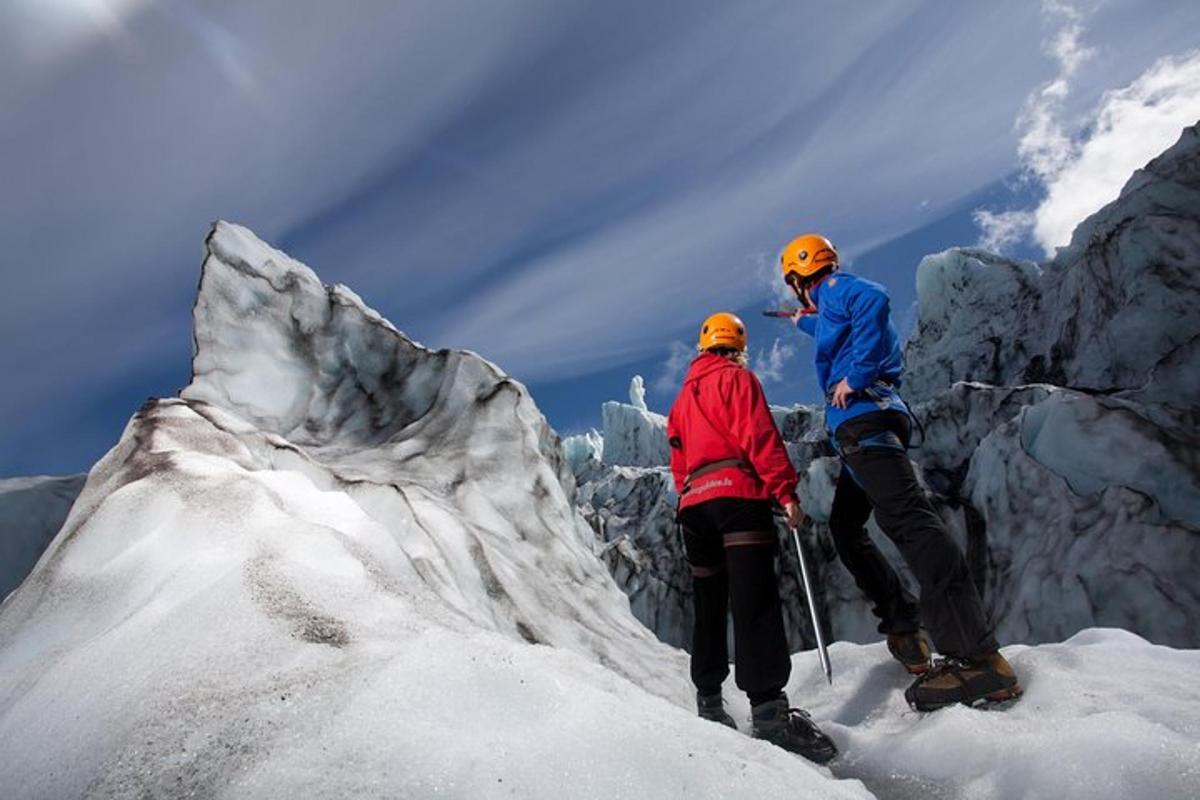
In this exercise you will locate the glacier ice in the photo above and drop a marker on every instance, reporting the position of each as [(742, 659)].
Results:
[(1072, 390), (341, 564), (1105, 539), (31, 512), (631, 509), (1061, 445), (634, 436), (583, 449), (1106, 313), (637, 393)]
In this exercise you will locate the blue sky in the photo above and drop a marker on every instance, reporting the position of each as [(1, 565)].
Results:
[(565, 187)]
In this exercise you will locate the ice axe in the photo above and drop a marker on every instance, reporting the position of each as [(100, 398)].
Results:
[(812, 607), (783, 313)]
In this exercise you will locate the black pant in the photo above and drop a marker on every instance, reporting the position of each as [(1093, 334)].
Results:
[(877, 476), (731, 545)]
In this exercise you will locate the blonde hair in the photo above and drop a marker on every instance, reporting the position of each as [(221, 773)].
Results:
[(739, 357)]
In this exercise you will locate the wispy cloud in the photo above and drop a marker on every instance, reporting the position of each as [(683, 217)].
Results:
[(1001, 230), (562, 186), (229, 54), (770, 363), (1081, 163), (671, 375), (1045, 146), (767, 276)]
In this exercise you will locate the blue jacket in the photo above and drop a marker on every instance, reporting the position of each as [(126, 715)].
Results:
[(855, 340)]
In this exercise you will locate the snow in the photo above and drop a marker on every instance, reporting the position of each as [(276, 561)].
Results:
[(31, 512), (1105, 715), (343, 564)]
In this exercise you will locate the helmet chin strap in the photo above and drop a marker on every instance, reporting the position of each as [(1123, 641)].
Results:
[(796, 290), (804, 292)]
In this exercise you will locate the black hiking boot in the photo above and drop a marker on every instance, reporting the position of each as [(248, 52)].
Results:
[(910, 650), (792, 729), (973, 682), (712, 707)]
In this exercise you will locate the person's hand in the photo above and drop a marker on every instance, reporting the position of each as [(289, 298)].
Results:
[(801, 312), (793, 513), (841, 394)]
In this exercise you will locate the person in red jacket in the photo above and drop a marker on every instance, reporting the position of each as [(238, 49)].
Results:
[(730, 467)]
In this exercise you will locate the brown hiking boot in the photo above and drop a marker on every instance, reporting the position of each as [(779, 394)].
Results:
[(972, 682), (910, 650)]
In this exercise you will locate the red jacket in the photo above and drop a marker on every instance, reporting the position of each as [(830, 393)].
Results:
[(721, 413)]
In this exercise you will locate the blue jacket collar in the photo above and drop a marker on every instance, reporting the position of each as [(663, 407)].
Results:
[(816, 291)]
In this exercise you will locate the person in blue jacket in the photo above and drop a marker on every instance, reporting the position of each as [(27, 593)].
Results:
[(859, 367)]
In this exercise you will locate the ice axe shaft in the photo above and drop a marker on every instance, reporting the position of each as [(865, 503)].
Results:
[(783, 313), (812, 608)]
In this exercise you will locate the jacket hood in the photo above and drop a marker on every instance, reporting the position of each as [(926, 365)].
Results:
[(706, 364)]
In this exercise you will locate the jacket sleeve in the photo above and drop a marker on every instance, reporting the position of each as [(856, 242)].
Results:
[(758, 437), (868, 309), (678, 466), (808, 324)]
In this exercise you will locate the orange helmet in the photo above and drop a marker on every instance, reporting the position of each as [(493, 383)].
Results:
[(807, 257), (722, 330)]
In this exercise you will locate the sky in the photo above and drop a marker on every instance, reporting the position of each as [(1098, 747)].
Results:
[(567, 188)]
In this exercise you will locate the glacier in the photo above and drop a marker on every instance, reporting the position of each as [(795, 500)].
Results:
[(631, 509), (1061, 445), (32, 510), (1079, 480), (634, 436), (340, 563)]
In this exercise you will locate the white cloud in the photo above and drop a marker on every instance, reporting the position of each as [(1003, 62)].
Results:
[(678, 358), (1132, 126), (418, 153), (769, 364), (1081, 172), (1045, 147), (1002, 229)]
